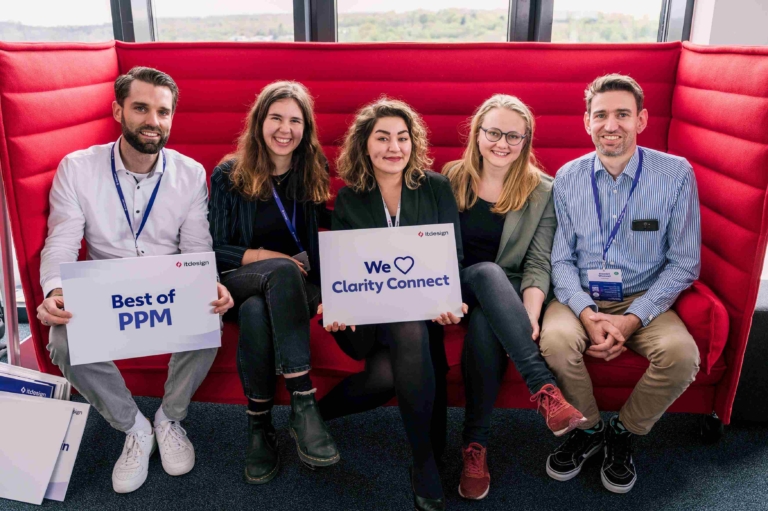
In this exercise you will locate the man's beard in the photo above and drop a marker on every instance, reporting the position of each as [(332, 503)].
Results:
[(617, 151), (132, 137)]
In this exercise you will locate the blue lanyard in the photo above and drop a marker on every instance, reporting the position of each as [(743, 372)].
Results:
[(125, 206), (596, 194), (291, 224)]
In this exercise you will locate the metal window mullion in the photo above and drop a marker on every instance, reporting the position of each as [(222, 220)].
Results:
[(324, 21), (675, 20), (122, 20), (301, 20), (530, 20)]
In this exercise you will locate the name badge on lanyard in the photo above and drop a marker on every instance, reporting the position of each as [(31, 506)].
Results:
[(606, 283), (389, 218), (147, 209)]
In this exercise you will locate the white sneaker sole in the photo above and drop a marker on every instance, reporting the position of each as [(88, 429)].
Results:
[(481, 497), (179, 469), (614, 488), (567, 476)]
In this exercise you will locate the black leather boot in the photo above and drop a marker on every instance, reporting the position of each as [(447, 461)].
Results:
[(313, 442), (423, 503), (261, 457)]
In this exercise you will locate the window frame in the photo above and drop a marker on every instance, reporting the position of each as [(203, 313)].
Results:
[(317, 20)]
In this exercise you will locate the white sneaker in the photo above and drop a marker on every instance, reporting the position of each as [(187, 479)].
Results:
[(176, 450), (130, 471)]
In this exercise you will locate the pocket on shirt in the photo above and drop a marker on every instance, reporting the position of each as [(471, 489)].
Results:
[(646, 244)]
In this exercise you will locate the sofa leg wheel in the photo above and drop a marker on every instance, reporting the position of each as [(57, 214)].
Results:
[(711, 428)]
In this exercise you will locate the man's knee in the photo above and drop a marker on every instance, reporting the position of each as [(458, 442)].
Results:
[(561, 340), (58, 345), (678, 355)]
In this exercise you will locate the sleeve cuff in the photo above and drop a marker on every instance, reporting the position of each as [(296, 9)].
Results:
[(50, 285), (645, 310), (580, 301)]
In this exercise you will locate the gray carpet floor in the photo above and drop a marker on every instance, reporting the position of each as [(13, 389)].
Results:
[(676, 470)]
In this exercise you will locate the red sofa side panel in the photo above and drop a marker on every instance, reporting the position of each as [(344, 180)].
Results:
[(728, 148), (54, 99)]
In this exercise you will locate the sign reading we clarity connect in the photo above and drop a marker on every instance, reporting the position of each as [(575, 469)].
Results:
[(389, 275), (140, 306)]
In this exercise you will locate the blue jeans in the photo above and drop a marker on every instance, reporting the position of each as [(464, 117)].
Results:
[(498, 326), (274, 304)]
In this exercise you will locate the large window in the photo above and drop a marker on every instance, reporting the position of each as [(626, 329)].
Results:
[(422, 20), (606, 21), (224, 20), (56, 20)]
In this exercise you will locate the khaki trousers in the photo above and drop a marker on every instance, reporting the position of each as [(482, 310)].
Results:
[(665, 342)]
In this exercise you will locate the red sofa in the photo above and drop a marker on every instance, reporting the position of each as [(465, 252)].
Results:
[(707, 104)]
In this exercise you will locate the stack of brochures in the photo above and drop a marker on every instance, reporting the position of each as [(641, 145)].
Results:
[(19, 380), (40, 434)]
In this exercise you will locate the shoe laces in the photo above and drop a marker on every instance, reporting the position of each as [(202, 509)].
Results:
[(132, 451), (575, 441), (619, 446), (548, 399), (174, 434), (473, 460)]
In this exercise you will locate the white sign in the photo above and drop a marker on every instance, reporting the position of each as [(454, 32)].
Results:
[(140, 306), (389, 275), (31, 433)]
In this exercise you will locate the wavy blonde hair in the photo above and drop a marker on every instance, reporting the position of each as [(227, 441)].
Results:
[(253, 166), (523, 175), (354, 165)]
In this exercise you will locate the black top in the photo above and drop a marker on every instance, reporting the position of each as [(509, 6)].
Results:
[(232, 218), (480, 232), (269, 228)]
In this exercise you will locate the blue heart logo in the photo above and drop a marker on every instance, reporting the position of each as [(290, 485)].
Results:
[(404, 264)]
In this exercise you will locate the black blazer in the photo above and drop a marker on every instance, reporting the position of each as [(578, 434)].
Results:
[(231, 216), (431, 203)]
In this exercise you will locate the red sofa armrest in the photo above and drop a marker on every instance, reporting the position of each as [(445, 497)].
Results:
[(707, 321)]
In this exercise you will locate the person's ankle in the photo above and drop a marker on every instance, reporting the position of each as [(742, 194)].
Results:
[(301, 383), (259, 407), (140, 424)]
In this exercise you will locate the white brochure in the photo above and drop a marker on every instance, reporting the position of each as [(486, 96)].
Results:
[(140, 306), (31, 433), (389, 275)]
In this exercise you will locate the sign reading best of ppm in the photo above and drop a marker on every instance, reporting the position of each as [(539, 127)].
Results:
[(389, 275)]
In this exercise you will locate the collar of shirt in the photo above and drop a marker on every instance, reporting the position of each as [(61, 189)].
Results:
[(120, 166), (629, 170)]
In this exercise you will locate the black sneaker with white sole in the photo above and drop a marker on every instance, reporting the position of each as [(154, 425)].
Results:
[(618, 472), (566, 461)]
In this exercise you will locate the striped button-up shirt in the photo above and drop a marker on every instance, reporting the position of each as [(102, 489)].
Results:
[(663, 263)]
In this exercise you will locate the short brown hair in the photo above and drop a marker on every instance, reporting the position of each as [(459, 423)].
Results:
[(614, 82), (146, 75), (354, 166)]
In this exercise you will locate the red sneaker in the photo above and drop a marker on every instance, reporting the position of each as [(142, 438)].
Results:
[(561, 417), (475, 478)]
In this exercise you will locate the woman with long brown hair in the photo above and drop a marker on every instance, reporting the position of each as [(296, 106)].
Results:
[(384, 164), (267, 199), (507, 227)]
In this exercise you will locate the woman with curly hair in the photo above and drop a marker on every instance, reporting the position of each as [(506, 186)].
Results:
[(267, 199), (384, 164)]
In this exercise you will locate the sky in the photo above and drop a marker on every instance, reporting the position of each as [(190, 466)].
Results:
[(96, 12)]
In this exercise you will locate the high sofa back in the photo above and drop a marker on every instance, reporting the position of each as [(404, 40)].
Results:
[(707, 104)]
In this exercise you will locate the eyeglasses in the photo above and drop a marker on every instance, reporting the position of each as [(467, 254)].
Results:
[(494, 135)]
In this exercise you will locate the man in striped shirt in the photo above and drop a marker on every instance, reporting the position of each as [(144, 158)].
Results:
[(628, 242)]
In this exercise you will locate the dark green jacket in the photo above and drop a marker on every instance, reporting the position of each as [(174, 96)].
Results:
[(431, 203)]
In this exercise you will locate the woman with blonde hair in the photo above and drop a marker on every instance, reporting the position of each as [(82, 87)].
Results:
[(267, 200), (507, 227), (384, 164)]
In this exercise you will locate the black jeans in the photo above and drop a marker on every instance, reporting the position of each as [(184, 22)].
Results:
[(498, 326), (275, 304)]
